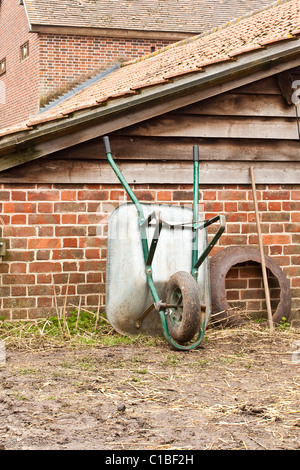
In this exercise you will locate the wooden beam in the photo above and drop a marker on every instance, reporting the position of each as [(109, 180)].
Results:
[(112, 32), (164, 148), (216, 127), (241, 104), (287, 84), (100, 172), (265, 86)]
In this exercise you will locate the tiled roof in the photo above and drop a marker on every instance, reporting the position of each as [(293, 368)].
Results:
[(281, 22), (192, 16)]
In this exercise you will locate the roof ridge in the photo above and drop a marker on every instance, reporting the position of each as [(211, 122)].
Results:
[(207, 33)]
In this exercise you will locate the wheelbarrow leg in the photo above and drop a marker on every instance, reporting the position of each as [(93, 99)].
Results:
[(195, 211)]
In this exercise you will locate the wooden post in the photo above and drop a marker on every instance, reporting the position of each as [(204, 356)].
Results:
[(262, 255)]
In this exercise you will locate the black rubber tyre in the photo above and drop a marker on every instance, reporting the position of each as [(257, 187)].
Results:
[(183, 321)]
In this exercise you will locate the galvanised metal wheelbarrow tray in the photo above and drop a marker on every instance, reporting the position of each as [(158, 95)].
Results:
[(157, 279)]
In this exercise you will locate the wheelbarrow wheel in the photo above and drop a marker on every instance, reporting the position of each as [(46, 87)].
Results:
[(183, 313)]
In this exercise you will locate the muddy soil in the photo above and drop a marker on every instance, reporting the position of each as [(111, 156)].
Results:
[(240, 390)]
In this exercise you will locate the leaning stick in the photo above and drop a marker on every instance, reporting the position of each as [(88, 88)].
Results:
[(78, 313), (98, 311), (65, 303), (262, 255), (56, 305)]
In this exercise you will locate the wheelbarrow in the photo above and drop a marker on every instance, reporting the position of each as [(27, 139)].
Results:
[(157, 275)]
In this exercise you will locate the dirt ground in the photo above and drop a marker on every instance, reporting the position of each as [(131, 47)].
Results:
[(240, 390)]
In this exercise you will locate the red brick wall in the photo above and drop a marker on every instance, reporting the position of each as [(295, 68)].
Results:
[(67, 59), (21, 78), (58, 233)]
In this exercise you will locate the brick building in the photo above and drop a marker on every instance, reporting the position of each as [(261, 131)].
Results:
[(230, 91), (48, 47)]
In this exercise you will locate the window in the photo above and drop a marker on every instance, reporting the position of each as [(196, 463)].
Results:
[(25, 50), (2, 66)]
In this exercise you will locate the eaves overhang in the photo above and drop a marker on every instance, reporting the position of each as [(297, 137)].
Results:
[(49, 137), (162, 35)]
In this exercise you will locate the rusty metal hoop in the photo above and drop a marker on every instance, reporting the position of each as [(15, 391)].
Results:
[(221, 263)]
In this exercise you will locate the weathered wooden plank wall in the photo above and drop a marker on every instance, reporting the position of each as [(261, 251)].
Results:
[(251, 125)]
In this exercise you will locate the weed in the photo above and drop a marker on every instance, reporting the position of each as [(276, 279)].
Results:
[(284, 324), (28, 371), (87, 364), (19, 395), (136, 359), (172, 359), (140, 371), (202, 363), (84, 328)]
